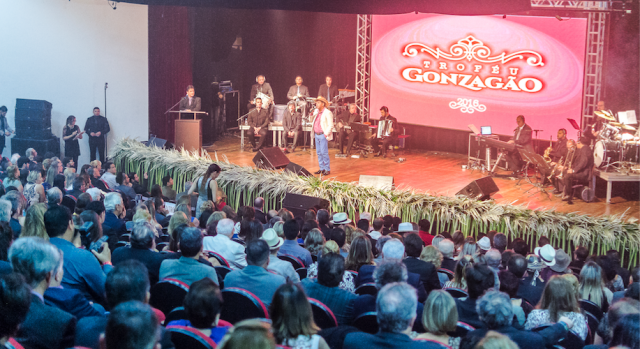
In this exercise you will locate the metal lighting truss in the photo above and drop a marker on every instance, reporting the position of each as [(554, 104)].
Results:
[(363, 65)]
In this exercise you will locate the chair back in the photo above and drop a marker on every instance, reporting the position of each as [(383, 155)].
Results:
[(322, 315), (176, 314), (302, 273), (125, 237), (219, 257), (433, 344), (367, 322), (121, 244), (295, 262), (184, 337), (592, 308), (240, 304), (446, 272), (457, 292), (222, 272), (593, 323), (368, 288), (162, 245), (462, 329), (570, 341), (168, 294)]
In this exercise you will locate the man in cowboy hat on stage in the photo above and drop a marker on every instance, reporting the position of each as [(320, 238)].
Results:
[(323, 131)]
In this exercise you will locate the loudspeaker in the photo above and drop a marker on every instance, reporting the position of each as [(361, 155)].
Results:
[(33, 119), (378, 182), (32, 130), (42, 146), (480, 189), (299, 204), (270, 159), (297, 169), (155, 141)]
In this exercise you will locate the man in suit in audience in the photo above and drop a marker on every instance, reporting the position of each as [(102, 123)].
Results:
[(396, 311), (45, 326), (187, 268), (124, 185), (114, 209), (428, 273), (496, 313), (446, 247), (142, 249), (258, 206), (393, 250), (222, 244), (325, 288), (290, 246), (254, 277), (479, 279), (82, 270), (127, 282)]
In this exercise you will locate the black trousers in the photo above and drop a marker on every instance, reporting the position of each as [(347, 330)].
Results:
[(97, 143), (569, 179), (252, 137), (514, 161), (385, 143), (2, 145), (351, 137)]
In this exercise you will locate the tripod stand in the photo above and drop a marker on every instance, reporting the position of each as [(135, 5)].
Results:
[(541, 166)]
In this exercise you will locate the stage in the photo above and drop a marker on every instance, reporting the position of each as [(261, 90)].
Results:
[(440, 173)]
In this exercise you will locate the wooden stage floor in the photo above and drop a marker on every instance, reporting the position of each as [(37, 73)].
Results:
[(440, 173)]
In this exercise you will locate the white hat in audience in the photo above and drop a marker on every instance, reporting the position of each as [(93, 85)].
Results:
[(272, 238), (405, 227), (547, 254), (340, 218), (484, 243)]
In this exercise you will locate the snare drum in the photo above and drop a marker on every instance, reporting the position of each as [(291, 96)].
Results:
[(608, 132), (606, 152), (631, 152)]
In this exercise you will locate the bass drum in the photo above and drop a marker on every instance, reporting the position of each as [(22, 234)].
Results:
[(631, 152), (606, 152)]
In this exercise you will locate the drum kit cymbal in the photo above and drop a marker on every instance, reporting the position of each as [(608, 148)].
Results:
[(615, 148)]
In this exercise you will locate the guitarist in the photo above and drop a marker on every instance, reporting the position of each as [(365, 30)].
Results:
[(265, 89)]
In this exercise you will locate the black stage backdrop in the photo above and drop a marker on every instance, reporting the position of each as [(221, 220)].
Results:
[(282, 44)]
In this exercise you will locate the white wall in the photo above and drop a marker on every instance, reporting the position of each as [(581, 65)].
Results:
[(64, 51)]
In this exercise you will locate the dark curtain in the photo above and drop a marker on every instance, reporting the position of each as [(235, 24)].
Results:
[(169, 65)]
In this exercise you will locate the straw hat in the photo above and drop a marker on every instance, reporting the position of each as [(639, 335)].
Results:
[(340, 218), (272, 239), (547, 254), (323, 100)]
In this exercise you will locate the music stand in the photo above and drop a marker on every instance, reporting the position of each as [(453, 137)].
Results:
[(575, 125), (532, 158)]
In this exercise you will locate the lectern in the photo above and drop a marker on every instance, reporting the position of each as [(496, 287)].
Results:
[(188, 129)]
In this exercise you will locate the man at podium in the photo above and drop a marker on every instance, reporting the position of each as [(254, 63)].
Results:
[(190, 102)]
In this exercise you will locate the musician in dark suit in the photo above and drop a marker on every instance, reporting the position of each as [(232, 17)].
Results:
[(263, 88), (346, 119), (558, 152), (291, 121), (258, 120), (581, 166), (522, 137), (190, 102), (391, 127), (299, 93), (327, 90)]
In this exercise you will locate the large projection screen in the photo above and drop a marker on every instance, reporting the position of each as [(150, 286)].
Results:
[(452, 71)]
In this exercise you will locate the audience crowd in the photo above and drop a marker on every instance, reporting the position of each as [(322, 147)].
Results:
[(100, 259)]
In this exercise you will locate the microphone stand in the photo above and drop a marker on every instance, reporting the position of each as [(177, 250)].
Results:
[(173, 106), (536, 131), (106, 85)]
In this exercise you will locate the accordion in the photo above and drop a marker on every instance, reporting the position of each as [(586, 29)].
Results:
[(383, 128)]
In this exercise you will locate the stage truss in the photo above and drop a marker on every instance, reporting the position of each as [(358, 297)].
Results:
[(597, 18)]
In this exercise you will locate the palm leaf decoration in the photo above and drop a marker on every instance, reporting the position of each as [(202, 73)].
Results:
[(243, 184)]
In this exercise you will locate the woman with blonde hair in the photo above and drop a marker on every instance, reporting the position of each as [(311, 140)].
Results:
[(439, 317), (34, 222), (458, 274), (314, 241), (54, 170), (592, 285), (177, 219), (347, 283), (434, 256), (34, 191), (13, 178), (279, 228)]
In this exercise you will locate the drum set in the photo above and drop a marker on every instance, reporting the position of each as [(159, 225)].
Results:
[(617, 147)]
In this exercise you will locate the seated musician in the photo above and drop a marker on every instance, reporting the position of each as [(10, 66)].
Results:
[(258, 121), (346, 118), (522, 137), (263, 88), (558, 152), (391, 129), (299, 93), (579, 169), (291, 121), (328, 90), (557, 180), (593, 128)]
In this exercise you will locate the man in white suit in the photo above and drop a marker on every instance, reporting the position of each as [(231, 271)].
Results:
[(323, 130)]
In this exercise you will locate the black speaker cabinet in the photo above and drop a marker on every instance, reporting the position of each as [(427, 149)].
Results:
[(270, 159), (480, 189), (33, 119), (42, 146), (297, 169), (298, 204)]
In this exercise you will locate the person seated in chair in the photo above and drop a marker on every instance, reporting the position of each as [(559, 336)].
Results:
[(291, 121), (389, 134), (521, 137), (187, 268), (581, 166), (346, 119), (258, 121)]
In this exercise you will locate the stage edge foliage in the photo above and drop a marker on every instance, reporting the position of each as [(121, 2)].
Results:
[(243, 184)]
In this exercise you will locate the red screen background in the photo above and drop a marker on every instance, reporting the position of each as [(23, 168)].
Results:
[(559, 44)]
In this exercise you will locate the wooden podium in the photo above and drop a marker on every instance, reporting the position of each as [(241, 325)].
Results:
[(188, 134)]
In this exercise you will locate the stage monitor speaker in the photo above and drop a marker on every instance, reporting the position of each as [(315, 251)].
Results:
[(299, 204), (378, 182), (297, 169), (155, 141), (480, 189), (270, 159)]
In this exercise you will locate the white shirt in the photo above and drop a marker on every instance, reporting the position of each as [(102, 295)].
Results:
[(519, 130), (232, 251), (375, 235), (110, 179)]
